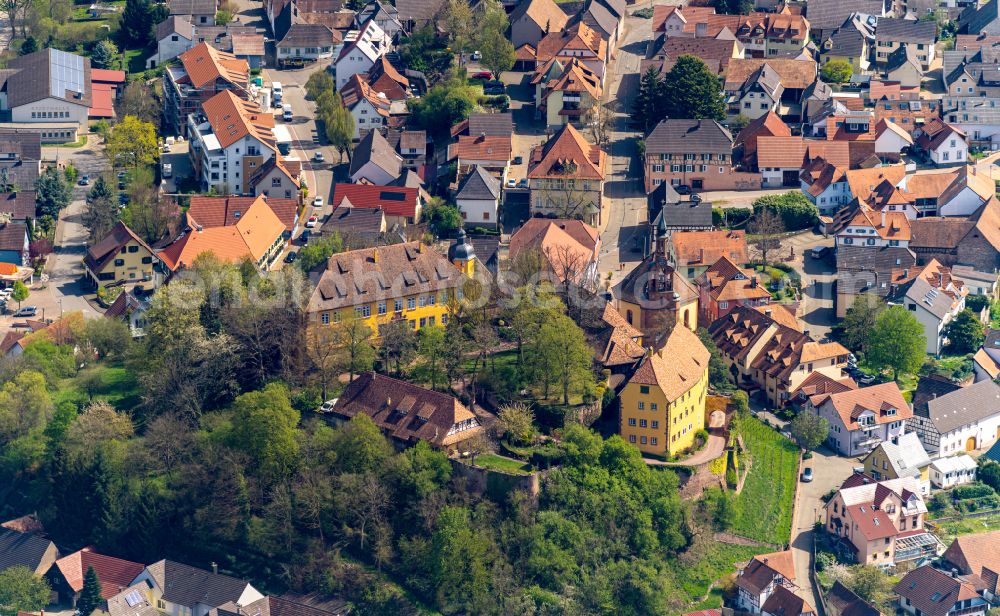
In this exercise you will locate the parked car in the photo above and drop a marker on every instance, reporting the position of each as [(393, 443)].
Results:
[(27, 311), (511, 182), (84, 180), (291, 257), (483, 75), (312, 222), (807, 475), (328, 406), (318, 202), (476, 56), (123, 199), (820, 252), (165, 149), (304, 238), (121, 175), (494, 88), (121, 185), (522, 183), (318, 157), (682, 189), (518, 160)]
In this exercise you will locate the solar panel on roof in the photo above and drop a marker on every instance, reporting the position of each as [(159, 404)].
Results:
[(133, 598), (392, 196), (65, 73)]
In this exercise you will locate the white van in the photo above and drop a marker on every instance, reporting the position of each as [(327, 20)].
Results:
[(276, 91), (286, 113), (168, 170)]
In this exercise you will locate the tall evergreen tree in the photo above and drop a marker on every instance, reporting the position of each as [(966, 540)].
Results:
[(90, 597), (137, 24), (691, 91), (647, 107)]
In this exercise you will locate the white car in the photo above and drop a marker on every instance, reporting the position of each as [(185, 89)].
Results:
[(312, 222), (511, 183), (318, 202), (318, 157), (328, 406)]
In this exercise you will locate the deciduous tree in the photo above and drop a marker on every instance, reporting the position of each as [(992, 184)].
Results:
[(497, 53), (265, 429), (897, 342), (22, 590), (563, 356), (965, 332), (19, 293), (859, 321), (357, 352), (517, 422), (765, 228), (141, 101), (132, 144), (399, 345), (809, 430), (836, 71)]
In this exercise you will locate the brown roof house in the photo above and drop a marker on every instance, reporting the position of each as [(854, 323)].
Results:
[(114, 574), (566, 177), (204, 71), (861, 419), (693, 252), (927, 591), (408, 413), (881, 523), (568, 247), (772, 356), (533, 19), (842, 601), (565, 91), (766, 585), (694, 153), (724, 286), (977, 555)]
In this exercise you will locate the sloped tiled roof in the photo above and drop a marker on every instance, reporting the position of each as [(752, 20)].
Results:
[(103, 252), (204, 64), (22, 549), (545, 13), (188, 586), (565, 244), (373, 148), (687, 136), (567, 154), (114, 574), (794, 73), (479, 184), (677, 367), (934, 592), (394, 200), (232, 119), (727, 282), (211, 212), (707, 247), (876, 398)]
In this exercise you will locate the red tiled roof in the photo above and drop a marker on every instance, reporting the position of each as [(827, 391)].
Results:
[(106, 76), (102, 101), (114, 574), (394, 201), (224, 211)]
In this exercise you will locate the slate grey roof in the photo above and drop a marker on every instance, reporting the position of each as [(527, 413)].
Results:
[(373, 147), (479, 185), (118, 605), (418, 10), (905, 30), (493, 124), (907, 455), (355, 220), (26, 145), (850, 38), (861, 268), (964, 406), (307, 35), (175, 24), (846, 603), (192, 7), (688, 137), (12, 236), (314, 604), (186, 585), (974, 20), (928, 388), (824, 14), (686, 214), (599, 17), (902, 55), (933, 300), (49, 73), (21, 549), (486, 248)]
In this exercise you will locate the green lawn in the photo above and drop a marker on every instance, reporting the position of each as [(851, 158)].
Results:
[(500, 463), (135, 60), (764, 507), (115, 385), (79, 143), (966, 526)]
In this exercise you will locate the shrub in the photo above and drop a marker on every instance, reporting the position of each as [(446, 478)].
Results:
[(732, 217), (795, 210), (976, 303), (825, 560), (975, 490)]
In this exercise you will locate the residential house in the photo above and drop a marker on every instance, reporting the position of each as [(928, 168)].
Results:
[(249, 47), (19, 206), (942, 143), (781, 160), (385, 79), (935, 297), (617, 345), (978, 282), (882, 523), (412, 147), (693, 153), (927, 591), (576, 41), (19, 549), (49, 92), (230, 143), (417, 283), (875, 229), (759, 95), (724, 286), (693, 252), (890, 141), (851, 42), (532, 20), (567, 94), (374, 161), (745, 146), (359, 52), (384, 14), (903, 66), (303, 43), (490, 152), (764, 581), (974, 241), (825, 185), (569, 248), (674, 380), (204, 73), (654, 297), (177, 589), (669, 214), (257, 235), (817, 382), (779, 33), (121, 258), (976, 554), (209, 212), (414, 14), (605, 17), (198, 12), (861, 419), (370, 109), (865, 269), (485, 123), (902, 104), (132, 601), (842, 601), (901, 456), (402, 205), (764, 353), (408, 413), (358, 227), (828, 15), (14, 243), (979, 19), (174, 35), (965, 419), (277, 177), (114, 574), (716, 53), (566, 177), (20, 158), (986, 361), (892, 33), (797, 76), (131, 310), (953, 471), (478, 199)]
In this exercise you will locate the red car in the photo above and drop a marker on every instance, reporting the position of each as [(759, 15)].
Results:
[(483, 75)]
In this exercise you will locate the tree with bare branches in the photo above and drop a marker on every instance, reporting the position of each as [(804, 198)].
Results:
[(765, 231)]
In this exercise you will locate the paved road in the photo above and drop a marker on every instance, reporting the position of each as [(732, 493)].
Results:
[(829, 471)]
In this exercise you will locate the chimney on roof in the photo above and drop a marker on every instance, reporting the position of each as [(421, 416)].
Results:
[(753, 285), (215, 567)]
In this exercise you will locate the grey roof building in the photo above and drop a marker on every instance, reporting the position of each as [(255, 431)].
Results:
[(194, 588), (48, 73), (852, 38), (830, 14), (977, 19), (373, 148), (491, 124), (688, 136), (905, 30), (479, 185), (966, 418), (26, 550)]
